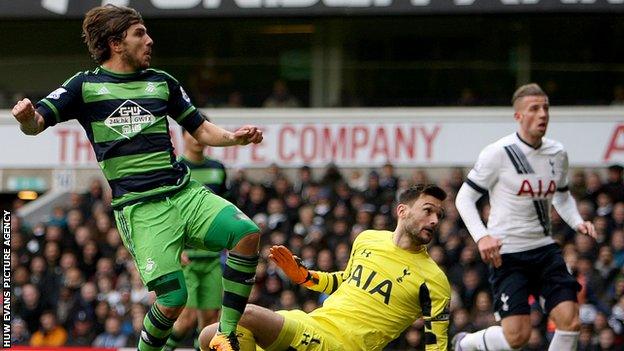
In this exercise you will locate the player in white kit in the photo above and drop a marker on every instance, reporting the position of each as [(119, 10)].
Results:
[(523, 173)]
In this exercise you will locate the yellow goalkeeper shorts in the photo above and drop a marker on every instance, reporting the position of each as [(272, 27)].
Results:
[(305, 333)]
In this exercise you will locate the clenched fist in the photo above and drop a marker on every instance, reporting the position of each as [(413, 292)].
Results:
[(30, 121)]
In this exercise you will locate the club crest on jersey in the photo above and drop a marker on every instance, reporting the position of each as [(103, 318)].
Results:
[(539, 189), (129, 119)]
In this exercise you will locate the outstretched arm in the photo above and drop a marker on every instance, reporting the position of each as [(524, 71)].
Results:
[(31, 122), (212, 135), (326, 282)]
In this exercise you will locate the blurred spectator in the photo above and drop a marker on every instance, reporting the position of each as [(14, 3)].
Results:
[(332, 176), (303, 180), (68, 300), (112, 336), (482, 316), (618, 95), (467, 97), (577, 184), (388, 179), (593, 187), (615, 183), (461, 322), (50, 334), (536, 341), (29, 307), (257, 201), (357, 181), (235, 100), (19, 332), (606, 341), (585, 342), (280, 97), (82, 333)]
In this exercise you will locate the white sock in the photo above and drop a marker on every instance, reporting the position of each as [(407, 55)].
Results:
[(564, 340), (490, 339)]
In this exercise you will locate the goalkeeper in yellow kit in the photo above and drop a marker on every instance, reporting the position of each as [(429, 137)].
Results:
[(389, 282)]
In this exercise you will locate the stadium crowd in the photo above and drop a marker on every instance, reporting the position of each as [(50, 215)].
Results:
[(74, 283)]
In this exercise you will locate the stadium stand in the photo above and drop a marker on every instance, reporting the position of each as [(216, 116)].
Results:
[(74, 265)]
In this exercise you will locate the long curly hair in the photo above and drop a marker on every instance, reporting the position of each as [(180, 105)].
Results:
[(105, 23)]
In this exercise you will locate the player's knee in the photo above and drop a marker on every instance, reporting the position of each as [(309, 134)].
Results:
[(252, 313), (172, 302), (572, 323), (171, 293), (517, 338), (206, 335)]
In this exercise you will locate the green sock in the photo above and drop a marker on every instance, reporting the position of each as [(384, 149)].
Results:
[(156, 330), (238, 279)]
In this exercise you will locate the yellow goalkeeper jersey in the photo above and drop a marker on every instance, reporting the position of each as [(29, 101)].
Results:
[(382, 291)]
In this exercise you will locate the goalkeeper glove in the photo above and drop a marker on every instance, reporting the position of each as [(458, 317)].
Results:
[(292, 266)]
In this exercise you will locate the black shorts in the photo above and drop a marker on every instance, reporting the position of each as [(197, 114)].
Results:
[(539, 272)]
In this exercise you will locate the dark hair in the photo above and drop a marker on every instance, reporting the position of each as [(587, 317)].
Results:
[(531, 89), (105, 23), (412, 193)]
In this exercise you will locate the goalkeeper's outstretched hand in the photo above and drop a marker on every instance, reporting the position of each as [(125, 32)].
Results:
[(292, 266)]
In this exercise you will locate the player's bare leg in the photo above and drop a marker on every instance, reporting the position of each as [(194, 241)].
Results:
[(566, 318), (186, 322)]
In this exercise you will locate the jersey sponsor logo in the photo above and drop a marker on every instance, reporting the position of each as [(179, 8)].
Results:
[(383, 288), (539, 190), (56, 94), (129, 119), (366, 253), (185, 96)]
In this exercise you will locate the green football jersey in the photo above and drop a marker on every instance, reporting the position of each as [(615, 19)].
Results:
[(125, 118)]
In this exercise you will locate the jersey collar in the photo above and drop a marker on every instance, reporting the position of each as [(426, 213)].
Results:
[(119, 74), (527, 144)]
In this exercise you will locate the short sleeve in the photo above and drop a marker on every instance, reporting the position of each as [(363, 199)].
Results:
[(63, 104)]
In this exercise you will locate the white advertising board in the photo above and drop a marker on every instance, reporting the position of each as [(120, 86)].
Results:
[(434, 137)]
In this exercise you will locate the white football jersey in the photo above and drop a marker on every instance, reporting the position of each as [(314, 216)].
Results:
[(521, 182)]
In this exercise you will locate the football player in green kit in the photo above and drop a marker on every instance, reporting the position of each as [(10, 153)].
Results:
[(123, 106)]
